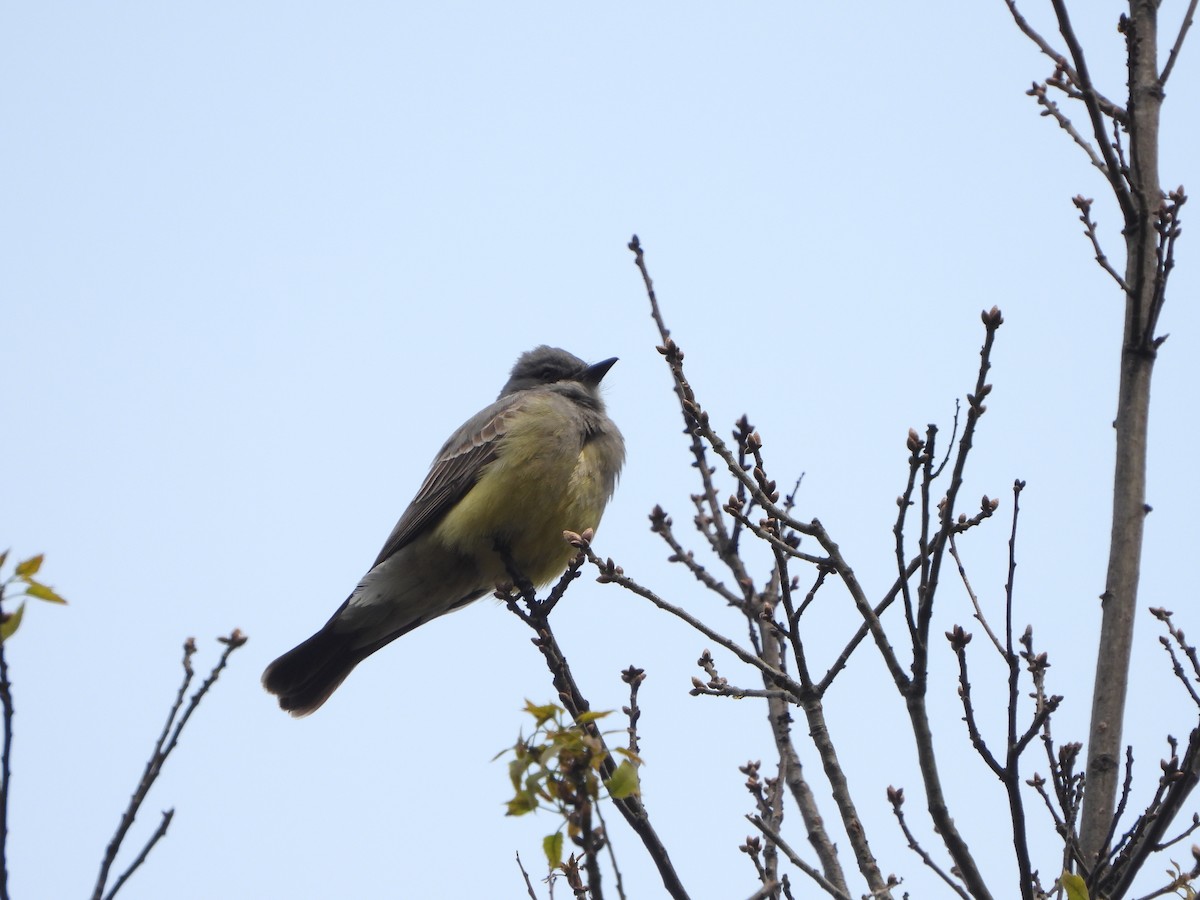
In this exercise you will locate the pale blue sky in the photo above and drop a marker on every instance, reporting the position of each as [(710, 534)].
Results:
[(259, 259)]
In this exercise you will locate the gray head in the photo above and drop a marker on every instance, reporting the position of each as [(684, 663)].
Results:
[(544, 366)]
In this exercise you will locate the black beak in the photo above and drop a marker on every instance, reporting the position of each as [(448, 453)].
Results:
[(592, 375)]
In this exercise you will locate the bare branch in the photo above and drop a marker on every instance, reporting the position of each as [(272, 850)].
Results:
[(1188, 18), (896, 797), (1096, 111), (920, 452), (863, 630), (5, 766), (1167, 227), (1084, 206), (612, 855), (525, 875), (1060, 62), (166, 743), (723, 543), (1052, 110), (611, 573), (700, 689), (660, 524), (159, 833), (777, 839), (535, 616), (958, 642), (765, 892), (769, 534), (633, 677), (791, 774), (979, 616)]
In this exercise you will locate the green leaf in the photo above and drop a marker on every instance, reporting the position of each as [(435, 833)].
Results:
[(542, 714), (521, 804), (9, 626), (539, 784), (545, 755), (516, 772), (592, 716), (42, 592), (552, 844), (628, 754), (624, 783), (1076, 886), (30, 566)]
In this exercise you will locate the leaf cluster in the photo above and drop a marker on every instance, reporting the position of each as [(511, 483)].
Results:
[(558, 768), (26, 586)]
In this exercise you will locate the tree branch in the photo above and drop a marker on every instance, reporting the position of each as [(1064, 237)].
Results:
[(166, 743), (1188, 18), (536, 617)]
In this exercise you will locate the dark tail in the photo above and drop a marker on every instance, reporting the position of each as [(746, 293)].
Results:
[(305, 676)]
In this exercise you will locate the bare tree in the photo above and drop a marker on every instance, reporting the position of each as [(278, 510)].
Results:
[(22, 584), (1105, 844)]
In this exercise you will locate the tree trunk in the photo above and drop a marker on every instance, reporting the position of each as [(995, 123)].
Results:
[(1144, 278)]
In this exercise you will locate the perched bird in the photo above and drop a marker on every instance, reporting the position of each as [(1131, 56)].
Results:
[(542, 459)]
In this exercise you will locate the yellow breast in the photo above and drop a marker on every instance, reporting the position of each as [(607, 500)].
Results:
[(545, 479)]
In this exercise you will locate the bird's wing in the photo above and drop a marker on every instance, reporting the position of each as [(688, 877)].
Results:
[(454, 472)]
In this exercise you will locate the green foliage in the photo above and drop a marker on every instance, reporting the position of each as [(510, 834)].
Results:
[(1181, 884), (1181, 881), (552, 846), (1075, 886), (558, 768), (9, 623), (624, 781), (26, 585)]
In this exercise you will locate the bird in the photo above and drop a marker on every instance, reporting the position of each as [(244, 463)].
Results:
[(544, 458)]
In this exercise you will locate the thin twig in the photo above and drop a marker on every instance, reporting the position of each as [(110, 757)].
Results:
[(611, 573), (1182, 836), (723, 544), (660, 524), (700, 689), (958, 641), (1016, 745), (1167, 227), (688, 401), (5, 765), (758, 489), (1060, 61), (168, 739), (1189, 651), (159, 833), (772, 537), (777, 839), (1052, 110), (919, 453), (1188, 18), (1084, 206), (979, 616), (1096, 110), (914, 690), (633, 677), (612, 856), (576, 704), (525, 875), (765, 892), (896, 796), (863, 630), (791, 774), (1179, 779), (1126, 790)]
